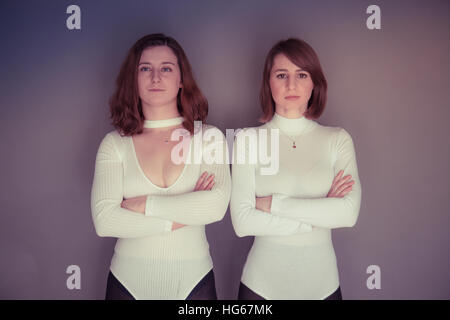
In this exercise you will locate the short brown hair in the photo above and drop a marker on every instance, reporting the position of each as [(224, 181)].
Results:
[(125, 104), (302, 55)]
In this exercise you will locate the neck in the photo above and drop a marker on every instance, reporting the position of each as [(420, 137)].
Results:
[(293, 126), (290, 113), (161, 112)]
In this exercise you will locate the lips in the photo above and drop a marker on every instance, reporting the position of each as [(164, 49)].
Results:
[(292, 97), (155, 90)]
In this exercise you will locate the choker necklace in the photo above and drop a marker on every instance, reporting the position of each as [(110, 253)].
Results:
[(163, 123)]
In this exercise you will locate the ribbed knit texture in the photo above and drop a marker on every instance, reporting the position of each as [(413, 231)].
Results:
[(292, 256), (150, 260)]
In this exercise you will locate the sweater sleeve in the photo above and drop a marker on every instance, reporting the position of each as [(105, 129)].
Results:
[(246, 219), (327, 212), (199, 207), (110, 219)]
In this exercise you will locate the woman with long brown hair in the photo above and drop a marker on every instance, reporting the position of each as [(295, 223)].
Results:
[(155, 199), (291, 212)]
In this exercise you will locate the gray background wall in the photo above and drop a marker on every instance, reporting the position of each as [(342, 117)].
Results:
[(388, 88)]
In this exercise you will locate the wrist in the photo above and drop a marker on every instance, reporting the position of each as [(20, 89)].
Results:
[(269, 206), (146, 205)]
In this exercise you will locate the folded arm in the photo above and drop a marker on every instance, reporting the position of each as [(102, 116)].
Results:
[(110, 219), (327, 212), (246, 219)]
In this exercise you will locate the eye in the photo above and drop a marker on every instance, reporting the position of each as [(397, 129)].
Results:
[(143, 69), (303, 75), (281, 76), (166, 69)]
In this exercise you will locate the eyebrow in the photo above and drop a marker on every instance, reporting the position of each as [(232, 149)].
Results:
[(285, 70), (165, 62)]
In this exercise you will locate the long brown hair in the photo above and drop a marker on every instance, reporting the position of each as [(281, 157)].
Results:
[(125, 104), (302, 55)]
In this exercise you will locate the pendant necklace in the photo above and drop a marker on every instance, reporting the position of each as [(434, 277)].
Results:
[(293, 141)]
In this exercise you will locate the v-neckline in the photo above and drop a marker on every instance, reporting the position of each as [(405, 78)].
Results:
[(147, 178)]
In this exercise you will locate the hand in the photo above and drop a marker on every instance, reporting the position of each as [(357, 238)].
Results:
[(136, 204), (205, 182), (176, 225), (340, 187), (264, 203)]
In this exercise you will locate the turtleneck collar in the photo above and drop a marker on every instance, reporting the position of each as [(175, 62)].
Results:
[(163, 123), (291, 126)]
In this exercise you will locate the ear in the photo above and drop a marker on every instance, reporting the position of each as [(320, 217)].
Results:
[(181, 85)]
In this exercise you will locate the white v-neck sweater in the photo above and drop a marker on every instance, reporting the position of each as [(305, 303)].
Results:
[(149, 259), (292, 256)]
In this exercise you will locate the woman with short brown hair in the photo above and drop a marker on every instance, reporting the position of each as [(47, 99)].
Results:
[(291, 211)]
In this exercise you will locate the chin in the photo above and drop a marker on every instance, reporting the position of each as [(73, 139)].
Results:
[(158, 103), (292, 107)]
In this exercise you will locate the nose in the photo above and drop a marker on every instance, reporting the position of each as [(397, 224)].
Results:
[(291, 83), (155, 76)]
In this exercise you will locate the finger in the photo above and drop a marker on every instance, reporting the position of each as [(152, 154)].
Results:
[(340, 182), (210, 185), (200, 180), (344, 185), (207, 182), (338, 176), (335, 184), (345, 188), (204, 183), (346, 191), (203, 178)]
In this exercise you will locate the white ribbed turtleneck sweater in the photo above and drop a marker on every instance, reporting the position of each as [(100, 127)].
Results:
[(292, 256), (150, 260)]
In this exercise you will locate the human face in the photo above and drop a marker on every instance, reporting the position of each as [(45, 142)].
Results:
[(159, 78), (291, 87)]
